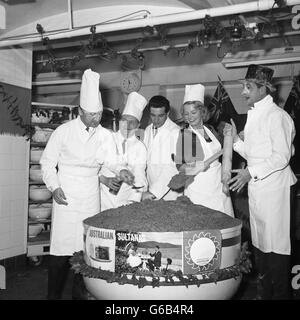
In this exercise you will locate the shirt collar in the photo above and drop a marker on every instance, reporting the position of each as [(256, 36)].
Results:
[(163, 126), (82, 126), (265, 101)]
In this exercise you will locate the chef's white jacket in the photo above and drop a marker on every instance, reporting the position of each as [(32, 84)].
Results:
[(78, 154), (267, 147), (132, 154), (160, 166)]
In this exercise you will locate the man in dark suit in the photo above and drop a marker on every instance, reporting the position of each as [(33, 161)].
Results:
[(155, 261)]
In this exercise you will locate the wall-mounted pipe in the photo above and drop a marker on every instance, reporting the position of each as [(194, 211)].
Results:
[(70, 14), (260, 5)]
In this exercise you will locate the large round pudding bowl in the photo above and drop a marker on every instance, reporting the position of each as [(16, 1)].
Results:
[(200, 252)]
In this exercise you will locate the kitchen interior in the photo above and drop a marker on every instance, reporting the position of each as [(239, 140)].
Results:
[(153, 48)]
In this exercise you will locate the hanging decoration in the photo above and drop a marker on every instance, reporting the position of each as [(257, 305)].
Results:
[(10, 107), (226, 38)]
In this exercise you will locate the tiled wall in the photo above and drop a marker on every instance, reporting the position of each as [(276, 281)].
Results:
[(14, 157), (16, 66)]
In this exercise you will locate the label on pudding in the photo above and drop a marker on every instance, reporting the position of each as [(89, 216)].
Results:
[(201, 251), (99, 248), (150, 251), (192, 252)]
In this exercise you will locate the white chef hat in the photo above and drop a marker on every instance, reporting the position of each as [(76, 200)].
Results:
[(194, 92), (135, 105), (90, 96)]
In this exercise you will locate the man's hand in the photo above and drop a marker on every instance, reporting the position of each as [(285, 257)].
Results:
[(59, 196), (112, 183), (237, 183), (126, 176), (147, 195)]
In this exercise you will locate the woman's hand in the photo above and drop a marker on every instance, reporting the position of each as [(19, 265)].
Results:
[(193, 168), (147, 195), (59, 196)]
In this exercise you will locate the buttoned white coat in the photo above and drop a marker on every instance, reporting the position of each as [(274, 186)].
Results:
[(160, 166), (267, 147)]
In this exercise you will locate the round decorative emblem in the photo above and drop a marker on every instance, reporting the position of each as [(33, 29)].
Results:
[(130, 82)]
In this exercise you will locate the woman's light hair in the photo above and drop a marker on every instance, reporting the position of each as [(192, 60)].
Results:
[(196, 103)]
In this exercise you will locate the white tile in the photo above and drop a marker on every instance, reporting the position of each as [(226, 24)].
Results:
[(6, 192), (17, 237), (20, 146), (12, 251), (19, 162), (20, 192), (5, 145), (18, 207), (19, 177), (5, 225), (5, 208), (5, 161), (5, 177), (4, 253), (17, 223), (5, 240)]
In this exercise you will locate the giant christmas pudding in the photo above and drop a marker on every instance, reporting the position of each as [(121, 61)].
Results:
[(199, 252)]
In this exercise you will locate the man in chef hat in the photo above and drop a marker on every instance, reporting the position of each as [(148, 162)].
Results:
[(132, 154), (79, 148)]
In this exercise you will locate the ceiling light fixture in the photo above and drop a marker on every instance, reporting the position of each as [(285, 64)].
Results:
[(274, 56)]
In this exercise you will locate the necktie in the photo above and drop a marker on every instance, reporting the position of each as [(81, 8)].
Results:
[(154, 131), (124, 145), (87, 129)]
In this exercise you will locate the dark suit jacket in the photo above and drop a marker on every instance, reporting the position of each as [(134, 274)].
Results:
[(157, 258)]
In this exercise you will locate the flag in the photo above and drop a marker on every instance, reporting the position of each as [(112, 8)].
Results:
[(292, 107), (221, 110), (220, 107)]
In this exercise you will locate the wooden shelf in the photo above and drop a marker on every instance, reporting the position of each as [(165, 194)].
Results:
[(46, 125), (36, 183), (52, 105), (38, 144), (38, 221), (39, 202), (42, 238)]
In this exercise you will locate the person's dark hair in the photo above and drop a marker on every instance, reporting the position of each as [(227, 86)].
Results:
[(268, 91), (157, 247), (159, 102)]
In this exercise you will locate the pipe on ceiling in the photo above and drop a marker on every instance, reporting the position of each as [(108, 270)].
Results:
[(70, 14), (260, 5)]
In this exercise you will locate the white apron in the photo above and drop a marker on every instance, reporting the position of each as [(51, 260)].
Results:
[(206, 189), (82, 193), (269, 198), (74, 151), (133, 158)]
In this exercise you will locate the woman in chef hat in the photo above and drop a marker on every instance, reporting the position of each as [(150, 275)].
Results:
[(195, 144), (132, 154)]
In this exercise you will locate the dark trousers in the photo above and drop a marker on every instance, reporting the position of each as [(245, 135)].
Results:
[(58, 270), (273, 275)]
